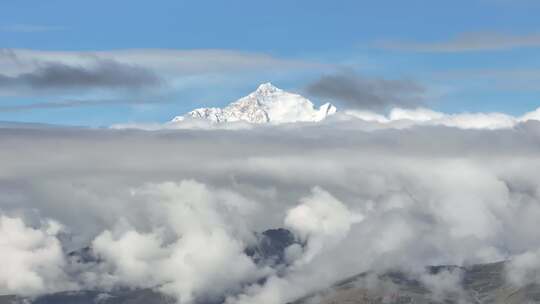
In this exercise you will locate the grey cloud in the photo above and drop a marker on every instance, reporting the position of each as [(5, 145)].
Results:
[(74, 103), (359, 92), (468, 42), (103, 74)]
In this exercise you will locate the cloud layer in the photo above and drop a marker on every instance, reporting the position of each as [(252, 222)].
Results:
[(159, 207)]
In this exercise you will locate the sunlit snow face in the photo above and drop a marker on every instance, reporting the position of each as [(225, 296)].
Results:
[(267, 104)]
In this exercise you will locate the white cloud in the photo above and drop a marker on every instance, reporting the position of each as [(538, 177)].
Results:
[(321, 220), (200, 124), (533, 115), (32, 258), (404, 118), (397, 118), (192, 250), (524, 268)]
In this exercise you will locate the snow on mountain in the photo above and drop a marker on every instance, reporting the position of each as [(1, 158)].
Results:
[(267, 104)]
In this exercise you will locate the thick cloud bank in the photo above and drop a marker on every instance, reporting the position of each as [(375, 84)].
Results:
[(174, 210)]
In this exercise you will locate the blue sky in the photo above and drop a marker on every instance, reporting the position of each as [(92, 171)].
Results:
[(476, 55)]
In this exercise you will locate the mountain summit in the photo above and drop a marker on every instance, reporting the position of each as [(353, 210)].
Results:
[(267, 104)]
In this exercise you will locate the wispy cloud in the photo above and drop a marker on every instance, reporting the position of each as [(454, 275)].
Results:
[(177, 62), (73, 103), (22, 68), (515, 79), (467, 42), (29, 28), (104, 74)]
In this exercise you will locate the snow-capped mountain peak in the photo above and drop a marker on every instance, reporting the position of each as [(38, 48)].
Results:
[(267, 88), (267, 104)]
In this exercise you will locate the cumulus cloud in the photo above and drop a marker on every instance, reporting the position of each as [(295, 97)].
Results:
[(196, 248), (32, 258), (320, 219), (354, 91), (158, 207)]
